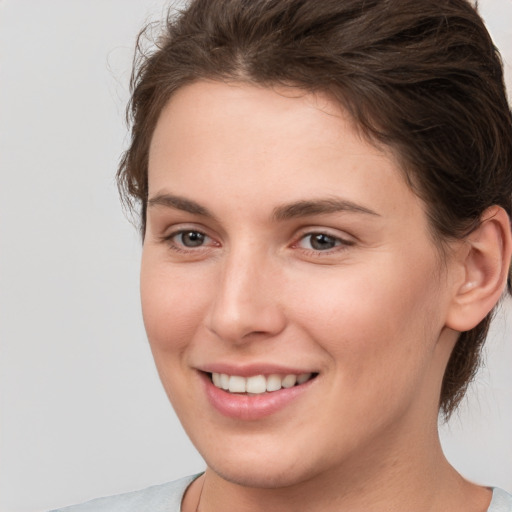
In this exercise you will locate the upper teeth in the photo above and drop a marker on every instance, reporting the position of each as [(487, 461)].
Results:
[(257, 384)]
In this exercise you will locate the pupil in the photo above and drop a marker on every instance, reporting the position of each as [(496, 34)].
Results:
[(192, 239), (322, 242)]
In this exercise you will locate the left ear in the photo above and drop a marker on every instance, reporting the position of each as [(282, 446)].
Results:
[(485, 262)]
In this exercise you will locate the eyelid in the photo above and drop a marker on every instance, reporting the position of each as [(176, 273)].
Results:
[(182, 227), (323, 230)]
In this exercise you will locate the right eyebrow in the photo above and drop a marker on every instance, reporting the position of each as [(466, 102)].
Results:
[(179, 203)]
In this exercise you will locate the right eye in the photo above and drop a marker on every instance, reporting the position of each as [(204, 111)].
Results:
[(189, 244), (189, 238)]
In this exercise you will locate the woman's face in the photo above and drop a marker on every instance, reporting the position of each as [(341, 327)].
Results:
[(280, 243)]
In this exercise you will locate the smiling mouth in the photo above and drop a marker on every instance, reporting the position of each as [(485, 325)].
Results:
[(258, 384)]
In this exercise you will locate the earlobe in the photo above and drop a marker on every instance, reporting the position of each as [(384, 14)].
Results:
[(486, 265)]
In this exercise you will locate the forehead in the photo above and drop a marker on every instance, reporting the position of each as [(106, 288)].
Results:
[(281, 144), (205, 111)]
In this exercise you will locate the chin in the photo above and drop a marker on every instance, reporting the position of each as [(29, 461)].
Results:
[(262, 476), (264, 467)]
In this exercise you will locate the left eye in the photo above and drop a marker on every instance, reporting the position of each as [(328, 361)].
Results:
[(319, 241)]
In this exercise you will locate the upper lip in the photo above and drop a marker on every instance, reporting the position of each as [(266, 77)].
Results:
[(249, 370)]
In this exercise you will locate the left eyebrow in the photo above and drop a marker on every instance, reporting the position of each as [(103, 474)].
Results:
[(317, 207)]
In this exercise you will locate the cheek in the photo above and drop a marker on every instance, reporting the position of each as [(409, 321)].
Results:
[(372, 320), (172, 309), (173, 304)]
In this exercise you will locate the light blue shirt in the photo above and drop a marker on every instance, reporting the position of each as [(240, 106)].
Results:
[(167, 498), (157, 498)]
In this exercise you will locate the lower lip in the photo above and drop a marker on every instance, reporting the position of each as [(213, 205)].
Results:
[(247, 407)]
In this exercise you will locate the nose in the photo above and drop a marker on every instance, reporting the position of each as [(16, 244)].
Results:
[(246, 301)]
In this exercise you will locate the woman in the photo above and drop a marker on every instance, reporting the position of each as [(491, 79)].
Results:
[(325, 193)]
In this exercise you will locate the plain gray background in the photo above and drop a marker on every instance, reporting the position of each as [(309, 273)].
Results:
[(82, 411)]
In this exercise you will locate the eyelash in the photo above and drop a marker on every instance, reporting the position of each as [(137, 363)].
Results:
[(341, 244)]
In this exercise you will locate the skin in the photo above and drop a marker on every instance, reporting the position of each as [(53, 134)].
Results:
[(370, 314)]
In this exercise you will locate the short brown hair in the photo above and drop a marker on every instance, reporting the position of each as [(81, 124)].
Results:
[(421, 77)]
